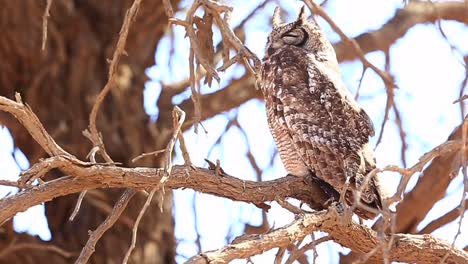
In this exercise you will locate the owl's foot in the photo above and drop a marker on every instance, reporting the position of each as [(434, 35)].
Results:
[(344, 211), (339, 207)]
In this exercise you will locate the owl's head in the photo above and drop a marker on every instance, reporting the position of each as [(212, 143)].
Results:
[(301, 33)]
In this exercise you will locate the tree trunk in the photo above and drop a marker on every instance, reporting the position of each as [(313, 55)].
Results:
[(61, 84)]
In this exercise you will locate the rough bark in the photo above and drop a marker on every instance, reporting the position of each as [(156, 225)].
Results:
[(61, 84)]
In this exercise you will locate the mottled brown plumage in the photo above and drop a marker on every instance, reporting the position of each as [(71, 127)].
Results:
[(319, 129)]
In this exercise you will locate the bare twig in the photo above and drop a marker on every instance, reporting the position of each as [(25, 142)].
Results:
[(290, 207), (221, 52), (149, 154), (195, 223), (461, 99), (197, 54), (93, 133), (179, 118), (77, 206), (137, 222), (279, 255), (441, 150), (45, 18), (94, 236), (301, 251)]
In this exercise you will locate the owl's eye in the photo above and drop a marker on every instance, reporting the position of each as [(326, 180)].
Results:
[(296, 37)]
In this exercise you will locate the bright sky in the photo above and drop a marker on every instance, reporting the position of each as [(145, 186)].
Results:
[(427, 72)]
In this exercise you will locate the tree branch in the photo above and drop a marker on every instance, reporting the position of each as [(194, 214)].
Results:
[(92, 176), (407, 248), (443, 220), (434, 180), (416, 12)]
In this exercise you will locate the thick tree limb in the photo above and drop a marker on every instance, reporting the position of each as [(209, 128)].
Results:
[(414, 13), (87, 176), (443, 220), (407, 248), (434, 180)]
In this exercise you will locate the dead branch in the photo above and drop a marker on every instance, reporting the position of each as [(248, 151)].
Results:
[(178, 119), (10, 183), (206, 56), (93, 133), (91, 176), (137, 222), (24, 114), (45, 18), (301, 251), (94, 236), (348, 234)]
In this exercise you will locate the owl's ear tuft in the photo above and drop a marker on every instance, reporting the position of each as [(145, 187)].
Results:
[(276, 21), (302, 17)]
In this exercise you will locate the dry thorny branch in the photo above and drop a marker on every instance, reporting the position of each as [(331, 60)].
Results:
[(201, 47), (91, 175)]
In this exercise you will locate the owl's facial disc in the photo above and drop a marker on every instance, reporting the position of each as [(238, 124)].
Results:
[(296, 37)]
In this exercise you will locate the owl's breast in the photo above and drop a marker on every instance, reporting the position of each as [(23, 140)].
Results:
[(285, 71)]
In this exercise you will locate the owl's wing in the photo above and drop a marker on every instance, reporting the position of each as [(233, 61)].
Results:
[(368, 122), (327, 127), (331, 85)]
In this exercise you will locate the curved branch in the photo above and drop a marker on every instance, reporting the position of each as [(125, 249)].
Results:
[(412, 14), (407, 248)]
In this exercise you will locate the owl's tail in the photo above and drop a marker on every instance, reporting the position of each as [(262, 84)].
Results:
[(371, 198), (358, 167)]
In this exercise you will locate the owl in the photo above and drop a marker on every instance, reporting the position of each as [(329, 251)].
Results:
[(318, 128)]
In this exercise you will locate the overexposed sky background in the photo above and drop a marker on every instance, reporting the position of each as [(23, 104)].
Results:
[(427, 72)]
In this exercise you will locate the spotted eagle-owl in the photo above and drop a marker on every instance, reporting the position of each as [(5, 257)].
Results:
[(318, 128)]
